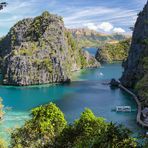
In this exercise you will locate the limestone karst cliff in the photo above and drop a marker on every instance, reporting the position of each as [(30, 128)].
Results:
[(40, 50), (136, 67)]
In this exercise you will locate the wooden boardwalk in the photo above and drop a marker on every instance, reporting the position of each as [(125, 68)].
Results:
[(139, 121)]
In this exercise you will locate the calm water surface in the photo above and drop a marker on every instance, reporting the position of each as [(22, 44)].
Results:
[(91, 50), (86, 91)]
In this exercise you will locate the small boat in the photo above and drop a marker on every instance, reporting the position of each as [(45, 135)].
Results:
[(100, 74), (105, 83), (123, 109)]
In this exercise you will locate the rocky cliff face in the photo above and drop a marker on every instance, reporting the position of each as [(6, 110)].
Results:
[(136, 67), (40, 51)]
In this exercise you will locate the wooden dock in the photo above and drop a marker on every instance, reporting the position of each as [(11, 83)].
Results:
[(139, 121)]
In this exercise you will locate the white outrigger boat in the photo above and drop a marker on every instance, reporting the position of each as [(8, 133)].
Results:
[(123, 109)]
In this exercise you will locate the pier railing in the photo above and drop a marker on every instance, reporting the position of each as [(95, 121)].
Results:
[(139, 121)]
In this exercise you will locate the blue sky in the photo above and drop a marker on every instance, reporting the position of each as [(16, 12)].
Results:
[(100, 15)]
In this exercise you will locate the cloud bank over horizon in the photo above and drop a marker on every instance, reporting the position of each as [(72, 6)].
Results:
[(114, 16), (104, 27)]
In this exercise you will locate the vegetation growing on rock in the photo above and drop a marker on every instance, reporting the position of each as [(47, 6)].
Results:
[(40, 51), (113, 52), (1, 109), (48, 128), (90, 38), (3, 143), (136, 67)]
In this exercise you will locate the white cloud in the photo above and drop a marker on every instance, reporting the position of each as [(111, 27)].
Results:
[(115, 15), (99, 16), (91, 26), (105, 26), (118, 30)]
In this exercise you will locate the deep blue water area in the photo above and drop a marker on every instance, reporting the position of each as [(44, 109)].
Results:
[(85, 91)]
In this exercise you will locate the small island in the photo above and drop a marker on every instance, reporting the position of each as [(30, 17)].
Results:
[(111, 52)]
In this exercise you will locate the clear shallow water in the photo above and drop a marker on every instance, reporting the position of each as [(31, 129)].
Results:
[(85, 91), (91, 50)]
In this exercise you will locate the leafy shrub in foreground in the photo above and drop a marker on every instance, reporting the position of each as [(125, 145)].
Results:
[(48, 129)]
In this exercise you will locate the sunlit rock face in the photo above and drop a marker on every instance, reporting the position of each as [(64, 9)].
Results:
[(39, 51)]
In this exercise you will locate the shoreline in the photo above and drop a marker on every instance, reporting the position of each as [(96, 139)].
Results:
[(139, 121)]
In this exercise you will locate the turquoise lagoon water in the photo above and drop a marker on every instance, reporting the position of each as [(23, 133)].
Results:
[(86, 91), (91, 50)]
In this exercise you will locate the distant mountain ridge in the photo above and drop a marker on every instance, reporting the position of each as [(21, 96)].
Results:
[(87, 37)]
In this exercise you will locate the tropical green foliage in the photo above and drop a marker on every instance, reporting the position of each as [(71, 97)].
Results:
[(3, 143), (141, 87), (71, 40), (37, 29), (91, 131), (47, 122), (83, 60), (26, 52), (1, 109), (83, 132), (115, 136), (77, 54), (90, 38), (146, 144), (144, 41), (114, 52), (48, 128)]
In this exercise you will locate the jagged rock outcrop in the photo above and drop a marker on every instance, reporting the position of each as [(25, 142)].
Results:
[(136, 67), (40, 51)]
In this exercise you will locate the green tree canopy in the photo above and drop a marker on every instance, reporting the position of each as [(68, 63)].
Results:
[(46, 123), (93, 132), (1, 108), (48, 128)]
